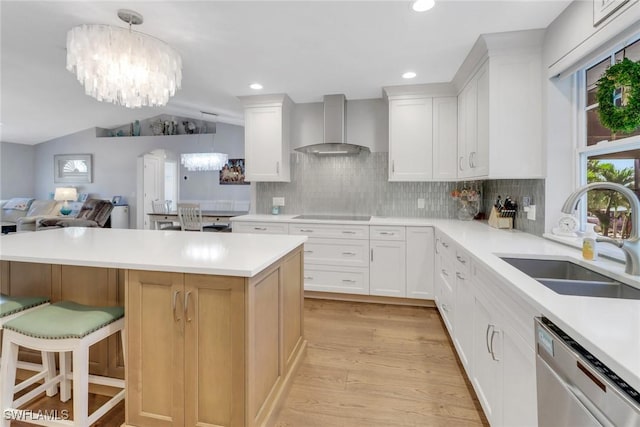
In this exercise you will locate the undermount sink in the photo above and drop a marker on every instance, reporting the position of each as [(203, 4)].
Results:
[(568, 278)]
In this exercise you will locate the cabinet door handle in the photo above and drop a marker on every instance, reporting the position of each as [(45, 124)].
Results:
[(371, 254), (459, 276), (348, 232), (348, 281), (387, 233), (472, 159), (461, 260), (348, 253), (493, 354), (486, 337), (277, 167), (460, 163), (445, 307), (186, 306), (444, 272), (308, 278), (437, 243), (393, 166), (446, 245), (174, 304), (308, 252), (305, 231), (260, 228)]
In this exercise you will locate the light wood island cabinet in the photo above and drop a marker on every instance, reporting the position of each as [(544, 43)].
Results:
[(203, 349)]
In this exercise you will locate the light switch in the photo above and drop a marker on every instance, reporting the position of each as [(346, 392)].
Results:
[(420, 203), (531, 212)]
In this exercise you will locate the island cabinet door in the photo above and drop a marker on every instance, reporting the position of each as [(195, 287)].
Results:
[(214, 319), (155, 347)]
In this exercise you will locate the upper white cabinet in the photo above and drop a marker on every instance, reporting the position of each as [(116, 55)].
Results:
[(266, 137), (500, 108), (422, 133)]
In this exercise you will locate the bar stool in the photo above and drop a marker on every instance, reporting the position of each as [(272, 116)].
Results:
[(70, 329), (12, 307)]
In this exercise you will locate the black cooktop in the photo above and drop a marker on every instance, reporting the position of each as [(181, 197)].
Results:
[(335, 217)]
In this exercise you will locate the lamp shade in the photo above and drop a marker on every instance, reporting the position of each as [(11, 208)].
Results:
[(65, 194)]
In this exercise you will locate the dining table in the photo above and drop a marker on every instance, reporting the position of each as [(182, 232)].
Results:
[(208, 217)]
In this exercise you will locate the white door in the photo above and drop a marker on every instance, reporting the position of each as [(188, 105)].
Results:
[(420, 262), (150, 187), (410, 139), (388, 271)]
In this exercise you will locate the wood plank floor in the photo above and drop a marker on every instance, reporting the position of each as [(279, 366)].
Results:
[(366, 365), (378, 365)]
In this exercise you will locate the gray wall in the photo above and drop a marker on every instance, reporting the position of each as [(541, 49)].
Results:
[(114, 163), (516, 189), (17, 170)]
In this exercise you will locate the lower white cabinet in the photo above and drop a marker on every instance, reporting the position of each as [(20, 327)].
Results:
[(349, 280), (260, 227), (387, 268), (420, 262), (463, 338)]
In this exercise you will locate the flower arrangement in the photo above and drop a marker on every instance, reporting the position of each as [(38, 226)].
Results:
[(469, 202), (466, 195)]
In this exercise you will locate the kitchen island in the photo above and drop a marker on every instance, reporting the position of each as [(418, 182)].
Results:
[(214, 321)]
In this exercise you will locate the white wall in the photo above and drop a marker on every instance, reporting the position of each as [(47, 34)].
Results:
[(367, 124), (17, 170), (114, 163)]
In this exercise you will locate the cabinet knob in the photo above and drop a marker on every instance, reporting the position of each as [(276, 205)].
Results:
[(461, 260)]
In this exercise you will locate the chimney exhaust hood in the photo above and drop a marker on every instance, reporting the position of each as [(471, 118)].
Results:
[(335, 130)]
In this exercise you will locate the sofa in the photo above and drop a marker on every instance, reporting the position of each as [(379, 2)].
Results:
[(21, 214), (94, 213)]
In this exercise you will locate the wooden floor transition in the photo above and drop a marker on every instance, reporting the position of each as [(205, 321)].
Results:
[(366, 365)]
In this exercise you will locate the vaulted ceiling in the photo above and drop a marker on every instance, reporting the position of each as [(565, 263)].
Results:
[(303, 48)]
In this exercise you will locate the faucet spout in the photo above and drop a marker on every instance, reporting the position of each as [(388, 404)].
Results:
[(630, 246)]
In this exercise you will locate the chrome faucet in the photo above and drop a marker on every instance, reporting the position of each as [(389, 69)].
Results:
[(630, 246)]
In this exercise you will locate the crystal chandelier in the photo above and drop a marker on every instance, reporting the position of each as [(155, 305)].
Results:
[(122, 66), (203, 161)]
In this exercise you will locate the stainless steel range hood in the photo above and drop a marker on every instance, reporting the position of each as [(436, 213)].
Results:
[(335, 130)]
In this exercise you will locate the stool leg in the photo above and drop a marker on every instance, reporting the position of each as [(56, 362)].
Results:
[(81, 386), (8, 375), (65, 369), (49, 366)]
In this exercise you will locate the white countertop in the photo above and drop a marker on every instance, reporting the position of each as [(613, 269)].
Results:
[(226, 254), (607, 327)]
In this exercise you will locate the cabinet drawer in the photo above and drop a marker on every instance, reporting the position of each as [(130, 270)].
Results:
[(386, 233), (260, 227), (462, 262), (348, 280), (331, 231), (444, 246), (346, 252)]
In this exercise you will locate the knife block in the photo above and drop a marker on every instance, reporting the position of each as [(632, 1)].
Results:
[(497, 221)]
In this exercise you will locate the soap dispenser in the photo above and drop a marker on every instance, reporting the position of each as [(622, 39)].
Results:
[(589, 244)]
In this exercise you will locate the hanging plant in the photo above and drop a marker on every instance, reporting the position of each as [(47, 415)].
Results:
[(620, 82)]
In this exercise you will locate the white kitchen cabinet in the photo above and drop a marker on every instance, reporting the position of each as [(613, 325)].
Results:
[(343, 280), (445, 135), (500, 108), (463, 338), (411, 139), (387, 268), (420, 262), (260, 227), (266, 137), (445, 281), (422, 132)]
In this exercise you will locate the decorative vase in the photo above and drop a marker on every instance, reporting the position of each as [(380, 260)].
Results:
[(468, 210), (136, 128)]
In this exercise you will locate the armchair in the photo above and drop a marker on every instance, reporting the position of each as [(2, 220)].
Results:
[(94, 213)]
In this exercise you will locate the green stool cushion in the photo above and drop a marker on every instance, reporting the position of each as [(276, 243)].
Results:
[(64, 319), (11, 305)]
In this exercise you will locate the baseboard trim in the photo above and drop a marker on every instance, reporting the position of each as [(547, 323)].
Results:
[(370, 298)]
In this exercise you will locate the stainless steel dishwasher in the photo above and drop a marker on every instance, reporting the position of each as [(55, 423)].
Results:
[(575, 389)]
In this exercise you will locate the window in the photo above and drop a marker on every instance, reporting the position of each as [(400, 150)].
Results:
[(608, 156)]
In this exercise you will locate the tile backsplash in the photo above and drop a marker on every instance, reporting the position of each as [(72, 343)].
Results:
[(358, 185)]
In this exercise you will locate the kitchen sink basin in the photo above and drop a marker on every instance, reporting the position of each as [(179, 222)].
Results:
[(568, 278)]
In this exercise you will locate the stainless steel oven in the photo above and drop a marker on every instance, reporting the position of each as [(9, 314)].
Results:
[(575, 389)]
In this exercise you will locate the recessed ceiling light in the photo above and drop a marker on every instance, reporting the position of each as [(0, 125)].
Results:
[(255, 86), (409, 75), (423, 5)]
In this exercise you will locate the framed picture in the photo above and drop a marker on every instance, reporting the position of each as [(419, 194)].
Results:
[(233, 173), (82, 197), (69, 168), (603, 8), (116, 200)]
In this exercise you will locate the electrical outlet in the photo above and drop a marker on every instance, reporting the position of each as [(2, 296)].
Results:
[(420, 203), (278, 201), (526, 201)]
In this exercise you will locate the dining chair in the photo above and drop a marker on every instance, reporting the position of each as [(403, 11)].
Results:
[(163, 206), (190, 216)]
